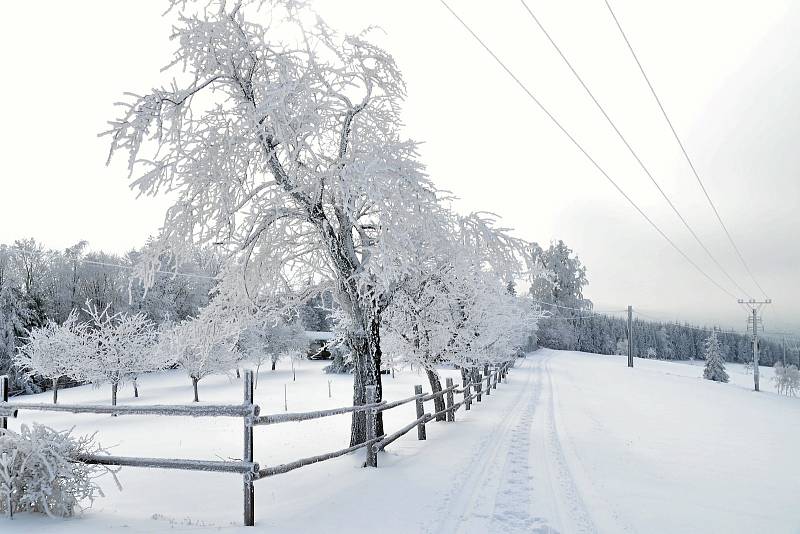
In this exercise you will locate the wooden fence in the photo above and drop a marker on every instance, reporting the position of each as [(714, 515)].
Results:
[(474, 386)]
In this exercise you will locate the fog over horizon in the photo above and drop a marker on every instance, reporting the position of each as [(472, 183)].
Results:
[(720, 69)]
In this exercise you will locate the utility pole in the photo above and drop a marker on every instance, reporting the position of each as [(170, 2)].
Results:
[(752, 322), (630, 336)]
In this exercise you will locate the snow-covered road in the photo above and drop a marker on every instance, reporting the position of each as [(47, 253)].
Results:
[(526, 479), (571, 443)]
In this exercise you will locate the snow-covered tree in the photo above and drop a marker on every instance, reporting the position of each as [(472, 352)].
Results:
[(715, 364), (271, 339), (437, 315), (203, 345), (285, 147), (120, 347), (18, 313), (786, 379), (55, 351)]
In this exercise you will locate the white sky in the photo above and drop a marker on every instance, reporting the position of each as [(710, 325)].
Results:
[(727, 72)]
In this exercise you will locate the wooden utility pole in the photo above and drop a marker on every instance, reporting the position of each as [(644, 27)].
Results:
[(752, 323), (630, 336)]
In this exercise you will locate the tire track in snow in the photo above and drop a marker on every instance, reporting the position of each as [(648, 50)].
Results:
[(512, 511), (470, 505), (604, 515), (571, 513)]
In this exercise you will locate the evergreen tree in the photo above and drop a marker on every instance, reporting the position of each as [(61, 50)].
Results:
[(715, 365)]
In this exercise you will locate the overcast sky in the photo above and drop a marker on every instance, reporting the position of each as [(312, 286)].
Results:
[(727, 72)]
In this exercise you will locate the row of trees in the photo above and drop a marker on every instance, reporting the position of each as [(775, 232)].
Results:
[(40, 286), (117, 348)]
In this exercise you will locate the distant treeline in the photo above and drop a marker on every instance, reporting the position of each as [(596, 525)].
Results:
[(603, 334), (573, 325)]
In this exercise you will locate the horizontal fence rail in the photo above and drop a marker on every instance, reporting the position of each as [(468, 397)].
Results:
[(272, 419), (170, 463), (473, 387), (291, 466), (201, 410)]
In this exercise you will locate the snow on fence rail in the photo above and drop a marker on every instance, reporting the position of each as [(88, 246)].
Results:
[(249, 412)]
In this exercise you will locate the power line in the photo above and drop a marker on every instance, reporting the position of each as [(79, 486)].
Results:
[(584, 152), (129, 267), (630, 148), (683, 149), (582, 310)]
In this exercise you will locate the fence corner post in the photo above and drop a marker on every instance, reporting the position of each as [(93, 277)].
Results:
[(420, 413), (451, 413), (249, 489), (371, 420)]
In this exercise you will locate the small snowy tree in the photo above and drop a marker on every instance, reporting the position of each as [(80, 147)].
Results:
[(786, 379), (265, 340), (715, 364), (39, 471), (120, 347), (203, 345), (55, 351), (651, 353)]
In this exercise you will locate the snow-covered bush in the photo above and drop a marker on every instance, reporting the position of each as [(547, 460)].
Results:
[(39, 473), (651, 353), (342, 361), (786, 379), (715, 364)]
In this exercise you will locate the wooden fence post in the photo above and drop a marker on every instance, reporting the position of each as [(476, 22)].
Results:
[(4, 398), (371, 416), (249, 489), (451, 414), (420, 413), (488, 383), (467, 395), (496, 375), (476, 378)]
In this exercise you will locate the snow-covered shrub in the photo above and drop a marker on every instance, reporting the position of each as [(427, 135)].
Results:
[(38, 471), (786, 379), (651, 353), (342, 361), (715, 364)]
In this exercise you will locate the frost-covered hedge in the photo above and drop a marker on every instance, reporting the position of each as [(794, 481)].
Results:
[(38, 472)]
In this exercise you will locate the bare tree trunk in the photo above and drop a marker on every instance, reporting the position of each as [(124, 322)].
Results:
[(436, 387), (273, 365), (135, 388), (114, 387), (194, 386), (55, 390)]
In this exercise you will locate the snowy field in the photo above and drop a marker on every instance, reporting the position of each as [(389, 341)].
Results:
[(572, 443)]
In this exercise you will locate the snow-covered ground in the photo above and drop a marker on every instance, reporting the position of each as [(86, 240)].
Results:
[(572, 443)]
